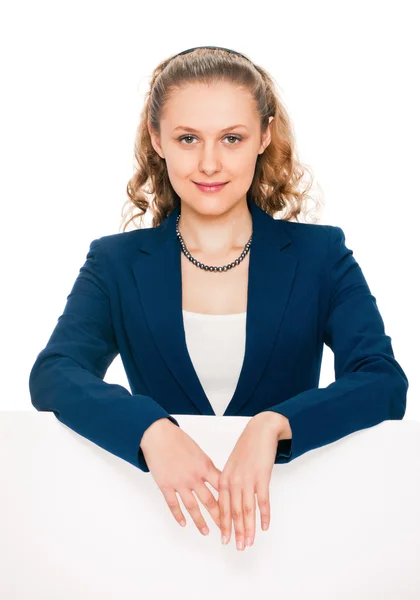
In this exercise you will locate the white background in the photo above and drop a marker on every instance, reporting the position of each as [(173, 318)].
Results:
[(73, 80)]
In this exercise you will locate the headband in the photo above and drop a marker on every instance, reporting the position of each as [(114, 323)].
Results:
[(211, 48)]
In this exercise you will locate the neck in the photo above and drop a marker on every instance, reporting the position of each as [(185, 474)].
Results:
[(215, 236)]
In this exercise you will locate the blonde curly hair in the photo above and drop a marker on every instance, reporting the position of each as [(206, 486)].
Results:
[(278, 176)]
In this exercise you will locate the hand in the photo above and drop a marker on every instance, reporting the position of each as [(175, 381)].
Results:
[(178, 464), (246, 473)]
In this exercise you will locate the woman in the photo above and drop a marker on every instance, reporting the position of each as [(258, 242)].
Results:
[(218, 308)]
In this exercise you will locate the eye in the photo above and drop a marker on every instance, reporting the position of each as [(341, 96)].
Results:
[(235, 137)]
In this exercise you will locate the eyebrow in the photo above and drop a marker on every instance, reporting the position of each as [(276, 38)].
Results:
[(196, 130)]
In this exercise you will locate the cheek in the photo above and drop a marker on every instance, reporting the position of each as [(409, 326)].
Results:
[(178, 167), (184, 167), (246, 169)]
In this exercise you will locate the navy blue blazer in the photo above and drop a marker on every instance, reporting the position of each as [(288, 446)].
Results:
[(305, 289)]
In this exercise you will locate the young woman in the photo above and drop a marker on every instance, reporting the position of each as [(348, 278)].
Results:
[(219, 308)]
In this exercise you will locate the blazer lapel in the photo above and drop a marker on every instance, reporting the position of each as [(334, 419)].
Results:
[(271, 273)]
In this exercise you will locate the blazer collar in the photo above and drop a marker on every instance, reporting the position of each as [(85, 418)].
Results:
[(157, 272)]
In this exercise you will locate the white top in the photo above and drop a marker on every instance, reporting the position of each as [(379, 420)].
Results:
[(216, 345)]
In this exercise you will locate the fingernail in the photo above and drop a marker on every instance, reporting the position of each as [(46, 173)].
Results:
[(224, 540), (248, 541), (205, 530), (239, 545), (265, 526)]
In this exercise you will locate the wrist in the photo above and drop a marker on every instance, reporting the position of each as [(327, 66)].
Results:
[(279, 422), (155, 428)]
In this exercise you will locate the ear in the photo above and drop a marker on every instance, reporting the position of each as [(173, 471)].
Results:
[(266, 138), (155, 141)]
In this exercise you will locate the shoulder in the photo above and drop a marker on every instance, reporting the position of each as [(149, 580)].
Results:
[(316, 243), (307, 229), (310, 234), (119, 245)]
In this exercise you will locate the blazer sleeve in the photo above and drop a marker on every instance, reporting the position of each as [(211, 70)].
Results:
[(370, 386), (67, 376)]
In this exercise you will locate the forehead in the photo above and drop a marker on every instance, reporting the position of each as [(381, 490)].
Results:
[(209, 107)]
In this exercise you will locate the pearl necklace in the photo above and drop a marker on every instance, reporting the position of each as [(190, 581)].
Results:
[(205, 267)]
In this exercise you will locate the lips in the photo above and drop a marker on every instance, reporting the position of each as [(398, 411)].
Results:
[(210, 188), (209, 183)]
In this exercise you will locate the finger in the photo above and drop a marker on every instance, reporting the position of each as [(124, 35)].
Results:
[(224, 510), (191, 505), (263, 498), (209, 501), (237, 514), (173, 504), (213, 476), (249, 507)]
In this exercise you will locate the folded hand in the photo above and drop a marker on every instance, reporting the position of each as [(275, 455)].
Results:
[(246, 473)]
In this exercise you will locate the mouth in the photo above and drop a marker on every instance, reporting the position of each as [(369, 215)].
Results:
[(210, 187)]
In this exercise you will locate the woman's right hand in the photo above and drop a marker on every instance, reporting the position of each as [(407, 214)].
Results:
[(178, 464)]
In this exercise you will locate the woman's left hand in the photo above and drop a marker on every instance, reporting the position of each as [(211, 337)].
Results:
[(246, 473)]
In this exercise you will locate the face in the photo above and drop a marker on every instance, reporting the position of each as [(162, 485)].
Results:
[(216, 151)]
